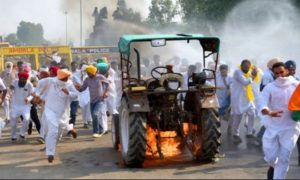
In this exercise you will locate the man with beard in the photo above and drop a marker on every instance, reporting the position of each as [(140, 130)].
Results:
[(20, 104), (57, 93), (242, 98), (281, 132), (98, 88)]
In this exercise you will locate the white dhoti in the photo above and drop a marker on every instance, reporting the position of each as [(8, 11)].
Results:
[(278, 147), (16, 112)]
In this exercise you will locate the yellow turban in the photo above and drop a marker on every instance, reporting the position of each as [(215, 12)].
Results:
[(8, 63), (63, 73), (91, 69)]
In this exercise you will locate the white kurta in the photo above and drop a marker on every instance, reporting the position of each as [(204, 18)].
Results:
[(282, 132), (267, 77), (240, 104), (112, 98), (19, 107), (57, 109), (239, 101)]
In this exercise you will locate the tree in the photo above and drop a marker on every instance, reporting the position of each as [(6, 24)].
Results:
[(212, 10), (12, 39), (30, 33), (162, 12)]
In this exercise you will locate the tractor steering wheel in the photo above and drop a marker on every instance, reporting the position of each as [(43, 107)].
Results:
[(159, 70)]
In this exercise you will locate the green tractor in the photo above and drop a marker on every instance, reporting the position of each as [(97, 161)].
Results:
[(158, 100)]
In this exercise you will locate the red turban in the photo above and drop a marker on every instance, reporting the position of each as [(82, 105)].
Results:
[(23, 74), (54, 69)]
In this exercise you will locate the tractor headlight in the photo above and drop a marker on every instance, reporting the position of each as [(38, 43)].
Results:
[(173, 85)]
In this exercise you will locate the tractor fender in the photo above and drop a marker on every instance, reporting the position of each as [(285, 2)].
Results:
[(138, 102), (210, 102)]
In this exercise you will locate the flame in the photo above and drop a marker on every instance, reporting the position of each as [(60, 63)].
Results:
[(169, 143)]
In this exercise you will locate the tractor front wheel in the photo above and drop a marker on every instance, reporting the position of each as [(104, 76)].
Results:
[(132, 127)]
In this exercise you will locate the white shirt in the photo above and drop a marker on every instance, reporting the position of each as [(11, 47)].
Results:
[(55, 99), (275, 97), (20, 94)]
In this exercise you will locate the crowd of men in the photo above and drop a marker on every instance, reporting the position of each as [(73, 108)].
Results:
[(249, 95), (51, 97)]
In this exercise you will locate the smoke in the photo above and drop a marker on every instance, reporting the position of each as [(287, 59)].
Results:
[(73, 9), (260, 30)]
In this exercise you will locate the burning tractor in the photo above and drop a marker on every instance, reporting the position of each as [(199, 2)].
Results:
[(163, 101)]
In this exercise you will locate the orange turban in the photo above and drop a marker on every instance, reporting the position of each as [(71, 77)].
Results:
[(63, 73)]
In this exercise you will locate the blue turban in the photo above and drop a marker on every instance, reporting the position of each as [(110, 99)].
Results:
[(102, 67), (290, 64)]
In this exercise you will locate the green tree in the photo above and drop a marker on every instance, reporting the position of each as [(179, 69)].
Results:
[(30, 33), (12, 39), (162, 12), (213, 10)]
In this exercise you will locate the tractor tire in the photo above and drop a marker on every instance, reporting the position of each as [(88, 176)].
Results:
[(211, 135), (115, 131), (132, 128)]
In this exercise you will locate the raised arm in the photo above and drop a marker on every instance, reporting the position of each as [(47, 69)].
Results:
[(238, 75)]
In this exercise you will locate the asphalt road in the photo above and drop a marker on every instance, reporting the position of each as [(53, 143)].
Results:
[(87, 157)]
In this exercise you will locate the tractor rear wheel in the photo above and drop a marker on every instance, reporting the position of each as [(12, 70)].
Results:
[(211, 134), (202, 135), (132, 127)]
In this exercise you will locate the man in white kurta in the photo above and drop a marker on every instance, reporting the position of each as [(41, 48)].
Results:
[(58, 92), (281, 132), (224, 81), (20, 104), (242, 98)]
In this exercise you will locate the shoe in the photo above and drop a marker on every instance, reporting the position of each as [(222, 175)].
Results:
[(13, 140), (90, 123), (50, 158), (250, 136), (103, 133), (29, 131), (85, 126), (96, 135), (73, 133), (237, 139), (298, 161), (270, 173)]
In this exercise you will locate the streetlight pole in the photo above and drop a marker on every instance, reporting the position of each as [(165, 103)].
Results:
[(80, 23), (66, 13)]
